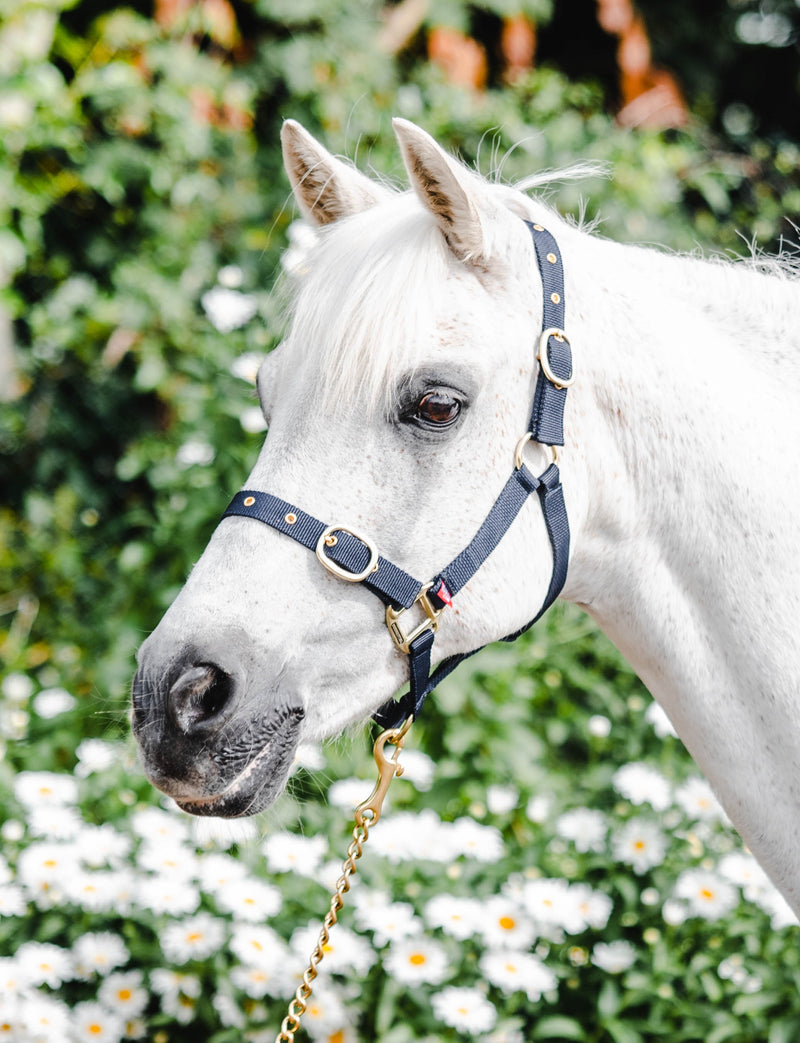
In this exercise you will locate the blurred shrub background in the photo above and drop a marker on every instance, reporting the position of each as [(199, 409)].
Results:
[(143, 214)]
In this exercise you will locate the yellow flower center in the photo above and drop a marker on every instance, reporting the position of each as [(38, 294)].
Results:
[(124, 995), (417, 959), (508, 923), (95, 1029)]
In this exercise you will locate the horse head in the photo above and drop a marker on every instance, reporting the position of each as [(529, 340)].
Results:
[(394, 405)]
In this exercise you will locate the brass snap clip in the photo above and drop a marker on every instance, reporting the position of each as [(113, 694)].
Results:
[(369, 811)]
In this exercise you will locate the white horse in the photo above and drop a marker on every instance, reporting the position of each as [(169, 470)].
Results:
[(394, 406)]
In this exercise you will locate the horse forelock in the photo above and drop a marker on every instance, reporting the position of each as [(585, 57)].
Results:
[(363, 311)]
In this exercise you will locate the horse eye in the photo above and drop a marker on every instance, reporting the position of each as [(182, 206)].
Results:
[(438, 409)]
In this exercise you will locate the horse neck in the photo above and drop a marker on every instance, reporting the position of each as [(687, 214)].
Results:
[(684, 544)]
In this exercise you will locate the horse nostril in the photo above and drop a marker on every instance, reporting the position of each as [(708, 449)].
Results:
[(198, 696)]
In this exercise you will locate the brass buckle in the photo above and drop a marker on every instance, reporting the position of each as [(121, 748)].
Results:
[(403, 640), (544, 360), (327, 539)]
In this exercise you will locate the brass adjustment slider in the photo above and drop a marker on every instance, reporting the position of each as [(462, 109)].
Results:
[(544, 359), (402, 639)]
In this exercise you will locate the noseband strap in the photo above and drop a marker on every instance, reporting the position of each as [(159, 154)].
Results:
[(352, 557)]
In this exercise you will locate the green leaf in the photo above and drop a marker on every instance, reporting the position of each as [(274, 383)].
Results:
[(557, 1027)]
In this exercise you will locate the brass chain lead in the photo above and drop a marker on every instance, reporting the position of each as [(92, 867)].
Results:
[(366, 815)]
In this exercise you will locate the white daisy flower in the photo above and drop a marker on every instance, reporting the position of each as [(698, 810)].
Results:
[(483, 843), (179, 1006), (348, 793), (248, 899), (539, 807), (697, 801), (344, 952), (613, 957), (246, 366), (216, 871), (259, 981), (388, 922), (102, 845), (458, 917), (548, 902), (743, 870), (592, 908), (290, 853), (194, 452), (12, 901), (257, 946), (514, 971), (172, 860), (229, 1011), (194, 938), (584, 827), (599, 726), (252, 420), (95, 892), (166, 982), (175, 896), (640, 844), (674, 912), (418, 961), (54, 822), (641, 784), (91, 1021), (706, 893), (52, 702), (17, 688), (41, 963), (44, 1019), (464, 1009), (96, 755), (228, 309), (418, 769), (780, 912), (36, 788), (501, 799), (13, 979), (124, 994), (325, 1014), (99, 952), (413, 836), (159, 826), (657, 717), (505, 924)]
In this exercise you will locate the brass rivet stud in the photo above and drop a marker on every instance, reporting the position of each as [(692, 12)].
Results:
[(539, 228), (331, 540), (551, 258), (290, 518), (555, 298), (248, 501)]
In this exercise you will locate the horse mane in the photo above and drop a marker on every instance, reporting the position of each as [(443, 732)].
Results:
[(361, 306)]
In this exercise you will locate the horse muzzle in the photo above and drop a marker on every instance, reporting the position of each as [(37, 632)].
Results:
[(210, 736)]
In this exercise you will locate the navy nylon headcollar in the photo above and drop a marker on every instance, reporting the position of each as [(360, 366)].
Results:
[(353, 557)]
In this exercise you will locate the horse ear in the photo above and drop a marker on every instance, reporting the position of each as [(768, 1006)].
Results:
[(447, 189), (325, 188)]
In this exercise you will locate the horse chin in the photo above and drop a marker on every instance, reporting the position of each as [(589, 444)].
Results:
[(253, 790), (250, 772)]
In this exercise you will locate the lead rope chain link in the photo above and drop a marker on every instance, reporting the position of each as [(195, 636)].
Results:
[(366, 815)]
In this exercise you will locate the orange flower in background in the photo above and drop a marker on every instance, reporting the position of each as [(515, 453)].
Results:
[(651, 97), (518, 46), (462, 59)]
